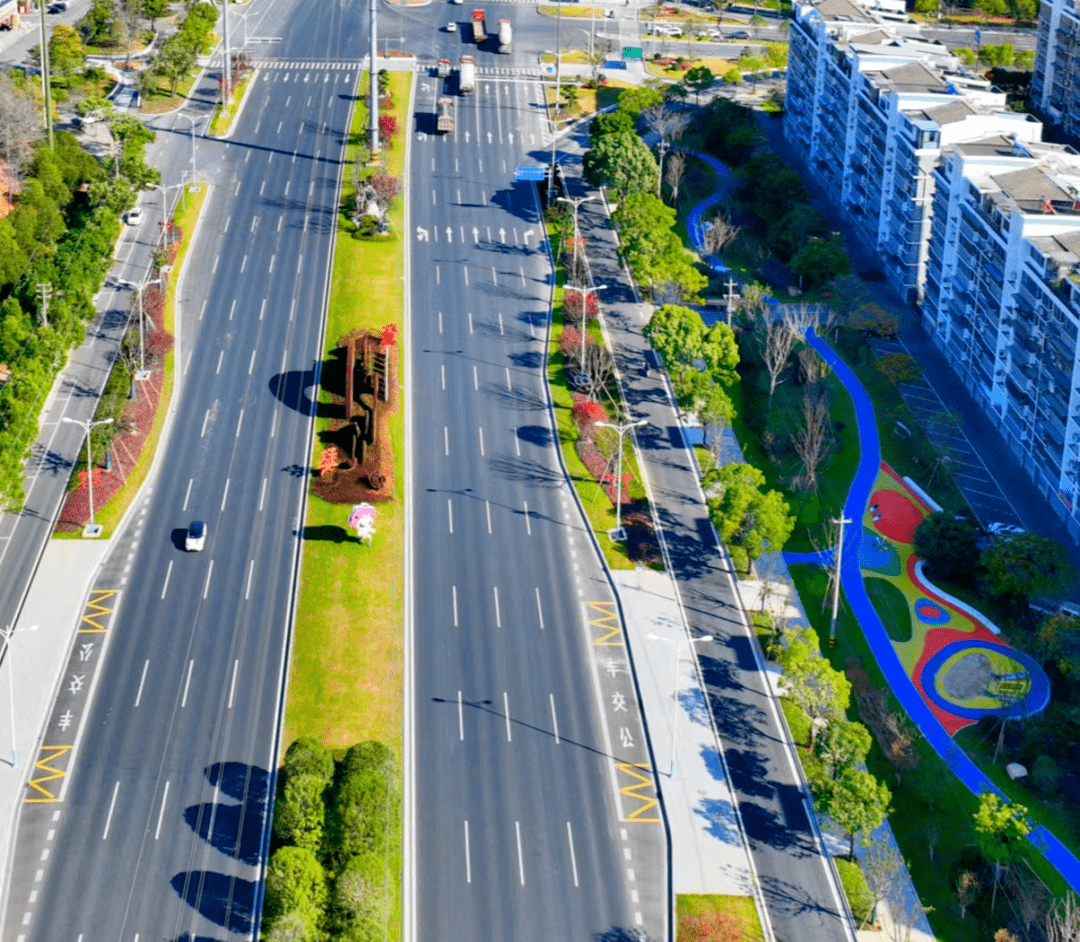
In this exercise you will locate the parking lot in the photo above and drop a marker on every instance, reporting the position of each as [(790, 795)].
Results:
[(973, 477)]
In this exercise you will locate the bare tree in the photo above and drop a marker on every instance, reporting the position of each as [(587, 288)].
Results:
[(967, 888), (813, 368), (719, 233), (597, 371), (884, 870), (669, 123), (20, 125), (813, 439), (130, 22), (1063, 920), (674, 171), (779, 334)]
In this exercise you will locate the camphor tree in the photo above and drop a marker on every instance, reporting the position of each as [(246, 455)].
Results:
[(998, 826), (623, 163), (1023, 566), (811, 681), (858, 802), (750, 521), (947, 543)]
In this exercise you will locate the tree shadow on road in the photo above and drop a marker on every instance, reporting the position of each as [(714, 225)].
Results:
[(226, 900)]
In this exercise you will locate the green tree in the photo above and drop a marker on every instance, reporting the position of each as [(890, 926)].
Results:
[(363, 811), (1023, 566), (1058, 643), (153, 9), (633, 101), (732, 76), (300, 812), (66, 53), (1024, 60), (1023, 9), (998, 828), (296, 890), (858, 802), (926, 6), (997, 56), (811, 681), (948, 545), (681, 338), (992, 7), (700, 79), (13, 262), (359, 906), (843, 744), (308, 756), (965, 55), (100, 26), (821, 260), (750, 521), (175, 60), (611, 122), (623, 163)]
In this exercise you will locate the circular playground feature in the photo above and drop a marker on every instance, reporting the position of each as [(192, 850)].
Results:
[(894, 515), (930, 613), (973, 678)]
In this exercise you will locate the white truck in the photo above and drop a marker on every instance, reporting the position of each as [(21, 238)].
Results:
[(444, 68), (506, 35), (467, 75), (445, 120)]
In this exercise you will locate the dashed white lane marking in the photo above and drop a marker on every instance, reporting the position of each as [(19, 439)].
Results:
[(508, 386), (450, 514), (573, 857), (468, 860), (475, 378), (187, 683), (480, 429), (460, 718), (498, 617), (521, 858), (539, 607), (555, 728), (487, 507), (506, 714), (453, 592), (161, 813), (108, 820), (232, 684), (528, 526), (446, 440), (142, 681)]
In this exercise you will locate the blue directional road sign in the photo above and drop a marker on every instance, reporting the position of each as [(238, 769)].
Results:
[(530, 173)]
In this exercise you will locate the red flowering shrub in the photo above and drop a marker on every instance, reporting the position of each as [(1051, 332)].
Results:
[(388, 127), (570, 342), (572, 305), (586, 414)]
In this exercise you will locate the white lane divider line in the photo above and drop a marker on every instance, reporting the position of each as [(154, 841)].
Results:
[(262, 495), (453, 592), (225, 494), (446, 440), (498, 617), (539, 608), (161, 813), (209, 573), (165, 587), (221, 356), (262, 308), (239, 423), (501, 331), (206, 418), (521, 858), (573, 856), (232, 308), (470, 322), (475, 379), (442, 374), (187, 683), (468, 860), (251, 362), (450, 514), (517, 443), (440, 321), (487, 507), (251, 573), (508, 386), (187, 494), (481, 430), (460, 718), (506, 714), (142, 681), (528, 526), (108, 819), (232, 683), (555, 727)]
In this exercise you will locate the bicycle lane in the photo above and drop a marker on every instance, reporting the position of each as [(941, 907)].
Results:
[(1056, 853)]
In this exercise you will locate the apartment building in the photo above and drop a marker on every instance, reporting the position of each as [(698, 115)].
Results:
[(1055, 83), (1002, 298), (870, 105)]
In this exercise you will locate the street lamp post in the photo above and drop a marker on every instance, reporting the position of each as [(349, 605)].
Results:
[(91, 529), (140, 288), (584, 306), (194, 168), (678, 643), (617, 535), (575, 201)]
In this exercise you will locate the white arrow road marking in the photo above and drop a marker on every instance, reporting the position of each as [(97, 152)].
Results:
[(502, 235), (421, 234), (475, 235), (466, 137), (510, 134), (449, 234), (421, 136), (489, 136), (529, 232)]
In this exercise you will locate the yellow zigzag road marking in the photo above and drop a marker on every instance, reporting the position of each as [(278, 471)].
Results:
[(641, 782), (95, 610), (607, 621), (48, 754)]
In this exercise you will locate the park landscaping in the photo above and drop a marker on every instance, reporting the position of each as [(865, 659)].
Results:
[(704, 918)]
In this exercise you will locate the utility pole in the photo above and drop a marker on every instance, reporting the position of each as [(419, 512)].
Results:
[(730, 298), (373, 107), (226, 68), (836, 579), (46, 83), (555, 107), (45, 289)]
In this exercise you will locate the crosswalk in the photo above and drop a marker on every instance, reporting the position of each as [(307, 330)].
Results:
[(420, 65), (528, 71)]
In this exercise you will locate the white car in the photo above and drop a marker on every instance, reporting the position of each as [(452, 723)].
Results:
[(457, 2), (134, 216), (1004, 529), (451, 27), (195, 540)]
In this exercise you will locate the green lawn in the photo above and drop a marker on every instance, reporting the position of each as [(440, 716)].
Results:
[(892, 605), (738, 909), (855, 889)]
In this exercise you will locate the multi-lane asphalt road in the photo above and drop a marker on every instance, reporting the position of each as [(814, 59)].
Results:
[(160, 830)]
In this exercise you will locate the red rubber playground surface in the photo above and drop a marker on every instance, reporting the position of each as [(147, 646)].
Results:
[(958, 664)]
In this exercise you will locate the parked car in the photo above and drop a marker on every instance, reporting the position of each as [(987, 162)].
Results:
[(134, 216), (739, 34), (195, 540), (1004, 529), (451, 27)]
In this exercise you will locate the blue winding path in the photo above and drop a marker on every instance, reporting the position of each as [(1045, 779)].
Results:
[(1062, 859)]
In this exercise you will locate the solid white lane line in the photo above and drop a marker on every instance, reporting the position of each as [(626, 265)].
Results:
[(498, 617), (442, 374), (446, 439), (225, 495), (508, 386), (506, 714), (555, 725), (209, 572), (142, 681), (187, 494), (573, 857), (239, 422), (168, 572), (521, 859), (262, 495), (450, 513), (468, 861), (112, 805), (501, 331), (487, 506), (251, 572), (161, 813), (470, 322), (453, 590), (299, 263), (528, 526), (460, 718), (539, 608), (187, 683), (480, 429), (232, 683), (220, 357), (475, 378)]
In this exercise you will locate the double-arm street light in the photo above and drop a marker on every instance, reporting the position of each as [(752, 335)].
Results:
[(574, 201), (618, 535), (584, 308), (678, 643), (194, 168), (142, 374), (91, 529)]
